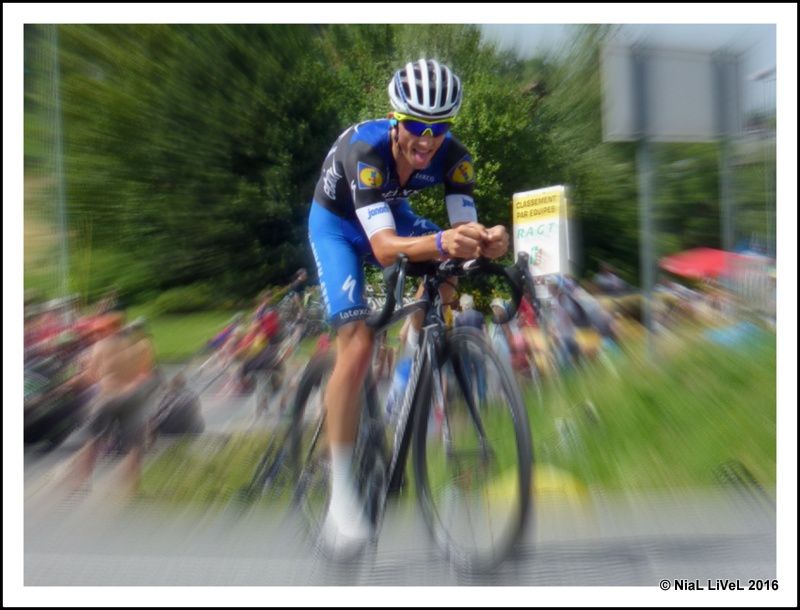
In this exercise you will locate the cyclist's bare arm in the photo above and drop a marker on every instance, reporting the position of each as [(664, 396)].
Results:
[(462, 241)]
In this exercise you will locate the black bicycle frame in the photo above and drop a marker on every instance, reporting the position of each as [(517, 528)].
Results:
[(425, 362), (423, 365)]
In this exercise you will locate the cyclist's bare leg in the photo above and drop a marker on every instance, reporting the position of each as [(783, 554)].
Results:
[(80, 469), (131, 473), (353, 353), (346, 522)]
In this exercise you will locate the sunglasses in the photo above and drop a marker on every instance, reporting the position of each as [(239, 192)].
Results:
[(418, 128)]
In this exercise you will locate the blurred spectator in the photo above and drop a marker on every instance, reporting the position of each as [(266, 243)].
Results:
[(44, 324), (499, 333), (563, 329), (110, 301), (526, 316), (122, 366), (511, 345), (408, 338), (42, 328), (323, 344), (178, 412), (608, 282), (449, 311), (267, 322), (599, 319), (260, 346), (529, 328), (468, 316), (297, 290), (56, 398), (566, 298), (221, 338), (384, 357), (246, 338), (30, 326), (398, 387), (677, 301)]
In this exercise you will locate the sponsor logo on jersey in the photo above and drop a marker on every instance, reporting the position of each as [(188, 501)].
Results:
[(399, 194), (424, 224), (463, 172), (348, 287), (466, 202), (425, 178), (375, 211), (369, 177), (358, 312), (329, 180)]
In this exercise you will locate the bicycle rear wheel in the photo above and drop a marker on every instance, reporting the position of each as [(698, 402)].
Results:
[(309, 451), (308, 445), (274, 473), (473, 456)]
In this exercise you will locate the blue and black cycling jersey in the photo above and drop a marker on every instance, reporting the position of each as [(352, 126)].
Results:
[(359, 177), (359, 194)]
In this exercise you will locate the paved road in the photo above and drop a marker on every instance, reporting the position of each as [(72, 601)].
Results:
[(622, 540)]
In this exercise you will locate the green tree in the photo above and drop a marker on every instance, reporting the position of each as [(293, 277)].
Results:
[(192, 151)]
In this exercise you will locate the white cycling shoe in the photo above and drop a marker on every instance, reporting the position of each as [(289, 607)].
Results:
[(344, 540)]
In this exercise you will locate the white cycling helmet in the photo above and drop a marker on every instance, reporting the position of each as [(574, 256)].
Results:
[(426, 89)]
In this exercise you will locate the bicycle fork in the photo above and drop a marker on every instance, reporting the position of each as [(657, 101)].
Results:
[(460, 366)]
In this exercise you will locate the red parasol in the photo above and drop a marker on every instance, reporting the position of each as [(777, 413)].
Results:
[(700, 263)]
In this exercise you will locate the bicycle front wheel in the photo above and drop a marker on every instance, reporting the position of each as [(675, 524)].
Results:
[(473, 456)]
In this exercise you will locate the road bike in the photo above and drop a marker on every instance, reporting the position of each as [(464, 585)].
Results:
[(472, 448)]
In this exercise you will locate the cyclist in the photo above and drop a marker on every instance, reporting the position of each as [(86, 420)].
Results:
[(260, 345), (360, 213), (223, 337)]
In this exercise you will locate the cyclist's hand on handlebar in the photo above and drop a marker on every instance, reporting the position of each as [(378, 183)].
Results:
[(495, 244), (464, 241)]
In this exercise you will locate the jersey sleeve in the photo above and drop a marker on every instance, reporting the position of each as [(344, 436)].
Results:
[(459, 181), (365, 172)]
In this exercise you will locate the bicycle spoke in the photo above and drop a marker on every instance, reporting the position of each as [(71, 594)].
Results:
[(473, 478)]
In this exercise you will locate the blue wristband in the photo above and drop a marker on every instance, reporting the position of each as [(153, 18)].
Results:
[(440, 246)]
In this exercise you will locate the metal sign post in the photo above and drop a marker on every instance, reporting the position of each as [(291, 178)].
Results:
[(644, 169), (670, 95)]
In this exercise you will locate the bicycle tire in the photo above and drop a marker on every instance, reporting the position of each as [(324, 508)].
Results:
[(450, 462), (308, 455), (273, 475), (309, 449)]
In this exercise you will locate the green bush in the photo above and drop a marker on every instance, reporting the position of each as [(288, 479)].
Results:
[(94, 271), (186, 299)]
